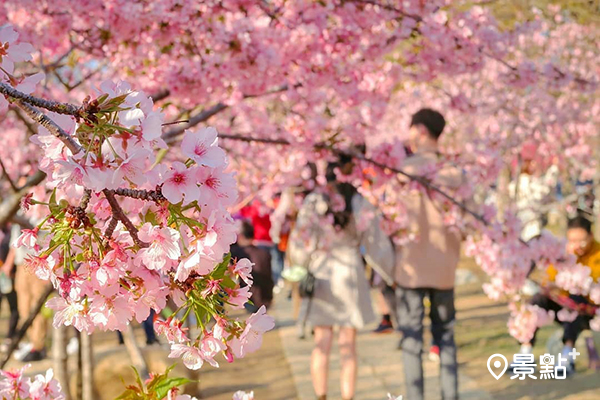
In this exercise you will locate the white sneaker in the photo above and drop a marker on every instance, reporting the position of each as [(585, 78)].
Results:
[(73, 346), (22, 351)]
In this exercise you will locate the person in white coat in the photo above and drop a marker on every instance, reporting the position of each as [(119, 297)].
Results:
[(331, 228)]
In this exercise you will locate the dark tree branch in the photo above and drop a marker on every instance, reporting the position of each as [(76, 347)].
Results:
[(148, 195), (60, 108), (170, 135), (251, 139), (160, 95), (112, 225), (119, 214)]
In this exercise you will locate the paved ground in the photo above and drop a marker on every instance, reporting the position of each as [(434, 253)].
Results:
[(380, 366)]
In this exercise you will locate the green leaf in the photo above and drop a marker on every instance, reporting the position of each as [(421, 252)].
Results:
[(219, 272), (163, 389), (53, 197), (102, 98), (228, 282), (131, 393)]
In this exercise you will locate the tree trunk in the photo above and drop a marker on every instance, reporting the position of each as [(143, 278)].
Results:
[(79, 379), (60, 359), (87, 367), (137, 359)]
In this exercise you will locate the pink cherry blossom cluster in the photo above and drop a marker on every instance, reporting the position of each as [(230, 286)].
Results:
[(121, 232), (11, 52), (15, 386), (525, 319)]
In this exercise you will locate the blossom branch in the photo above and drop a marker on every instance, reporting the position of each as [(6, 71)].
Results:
[(52, 126), (120, 215), (55, 106)]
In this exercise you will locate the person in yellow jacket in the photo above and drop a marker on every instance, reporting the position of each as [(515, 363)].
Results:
[(581, 243)]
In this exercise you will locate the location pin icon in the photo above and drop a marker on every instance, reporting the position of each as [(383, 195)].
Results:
[(498, 367)]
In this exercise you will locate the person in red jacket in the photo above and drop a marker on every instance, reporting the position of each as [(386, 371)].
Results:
[(259, 215)]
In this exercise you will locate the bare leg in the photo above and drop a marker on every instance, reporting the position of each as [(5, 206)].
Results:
[(347, 343), (382, 305), (319, 366)]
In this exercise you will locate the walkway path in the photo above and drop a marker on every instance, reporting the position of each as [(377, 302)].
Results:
[(380, 366)]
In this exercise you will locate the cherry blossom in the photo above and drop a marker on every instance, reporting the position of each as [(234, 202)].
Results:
[(251, 338), (191, 356), (180, 183), (201, 146)]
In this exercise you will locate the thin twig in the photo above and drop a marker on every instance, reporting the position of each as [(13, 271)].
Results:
[(55, 106), (176, 122), (120, 215), (250, 139), (170, 135), (5, 173), (420, 179), (84, 79)]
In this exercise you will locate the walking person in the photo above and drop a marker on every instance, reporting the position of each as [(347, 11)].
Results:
[(262, 287), (327, 240), (426, 267)]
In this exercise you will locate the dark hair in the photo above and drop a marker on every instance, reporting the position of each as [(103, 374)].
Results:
[(247, 230), (344, 189), (580, 222), (430, 119)]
